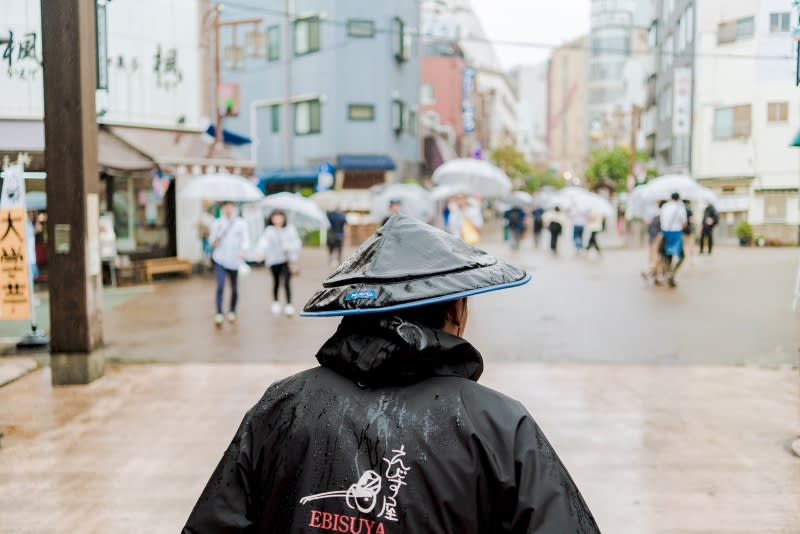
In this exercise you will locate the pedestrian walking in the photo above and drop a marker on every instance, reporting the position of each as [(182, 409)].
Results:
[(596, 223), (555, 225), (335, 238), (230, 240), (655, 264), (465, 220), (280, 244), (538, 225), (392, 433), (515, 222), (579, 217), (673, 223), (710, 220), (395, 205)]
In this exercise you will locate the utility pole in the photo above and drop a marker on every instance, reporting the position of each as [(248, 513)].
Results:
[(217, 26), (73, 184)]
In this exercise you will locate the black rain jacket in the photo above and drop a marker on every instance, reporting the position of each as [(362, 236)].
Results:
[(391, 434)]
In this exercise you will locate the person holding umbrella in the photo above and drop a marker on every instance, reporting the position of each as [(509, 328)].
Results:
[(710, 220), (229, 239), (392, 433)]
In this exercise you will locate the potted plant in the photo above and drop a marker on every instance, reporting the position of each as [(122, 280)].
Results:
[(745, 233)]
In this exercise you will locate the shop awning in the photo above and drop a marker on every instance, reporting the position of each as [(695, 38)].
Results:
[(796, 140), (170, 149), (364, 162), (229, 137), (116, 157), (296, 175)]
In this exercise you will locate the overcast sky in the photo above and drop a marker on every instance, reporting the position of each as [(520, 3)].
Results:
[(541, 21)]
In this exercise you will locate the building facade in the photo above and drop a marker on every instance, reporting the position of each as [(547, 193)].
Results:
[(617, 70), (566, 107), (151, 114), (531, 85), (334, 82), (746, 114)]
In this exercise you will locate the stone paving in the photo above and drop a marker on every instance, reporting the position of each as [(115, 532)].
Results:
[(655, 449)]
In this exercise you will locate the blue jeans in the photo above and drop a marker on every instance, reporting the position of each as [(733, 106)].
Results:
[(221, 273), (577, 236)]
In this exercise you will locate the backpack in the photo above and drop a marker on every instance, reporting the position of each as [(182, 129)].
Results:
[(554, 227)]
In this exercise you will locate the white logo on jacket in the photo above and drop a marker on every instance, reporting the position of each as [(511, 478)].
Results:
[(365, 494)]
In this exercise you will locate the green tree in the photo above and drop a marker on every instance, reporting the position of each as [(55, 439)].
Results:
[(611, 165), (512, 162), (543, 176)]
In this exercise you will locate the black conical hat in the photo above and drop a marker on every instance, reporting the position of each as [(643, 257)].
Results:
[(406, 264)]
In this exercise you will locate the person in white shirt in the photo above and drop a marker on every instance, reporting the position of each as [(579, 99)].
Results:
[(465, 220), (280, 245), (579, 216), (230, 240), (673, 220)]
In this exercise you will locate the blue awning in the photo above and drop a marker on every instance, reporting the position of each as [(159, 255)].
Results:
[(304, 175), (228, 137), (364, 162)]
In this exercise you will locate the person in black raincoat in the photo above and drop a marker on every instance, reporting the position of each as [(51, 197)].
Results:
[(392, 433)]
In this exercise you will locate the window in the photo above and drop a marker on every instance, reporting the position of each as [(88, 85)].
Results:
[(777, 112), (360, 28), (680, 149), (399, 39), (652, 35), (398, 114), (735, 30), (689, 18), (426, 94), (651, 91), (273, 43), (361, 112), (412, 122), (275, 116), (307, 117), (745, 28), (775, 208), (306, 36), (779, 22), (732, 122)]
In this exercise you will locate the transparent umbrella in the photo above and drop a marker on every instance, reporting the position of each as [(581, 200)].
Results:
[(480, 176), (301, 211), (220, 187), (415, 201), (577, 197)]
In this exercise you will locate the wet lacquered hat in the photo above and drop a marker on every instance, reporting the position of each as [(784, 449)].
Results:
[(407, 264)]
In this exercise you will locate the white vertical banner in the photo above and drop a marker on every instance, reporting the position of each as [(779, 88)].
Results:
[(682, 102)]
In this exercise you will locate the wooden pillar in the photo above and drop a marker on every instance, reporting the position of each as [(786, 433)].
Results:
[(70, 77)]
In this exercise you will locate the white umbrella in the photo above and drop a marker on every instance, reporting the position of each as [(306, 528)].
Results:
[(415, 201), (221, 187), (661, 188), (481, 176), (444, 192), (301, 211), (579, 198)]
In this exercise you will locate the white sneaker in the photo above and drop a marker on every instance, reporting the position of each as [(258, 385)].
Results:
[(231, 317), (289, 310), (276, 308), (219, 319)]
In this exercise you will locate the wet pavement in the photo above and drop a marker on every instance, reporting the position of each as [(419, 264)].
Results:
[(730, 308), (654, 449)]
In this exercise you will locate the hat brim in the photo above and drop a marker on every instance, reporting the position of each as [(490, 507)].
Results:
[(419, 303)]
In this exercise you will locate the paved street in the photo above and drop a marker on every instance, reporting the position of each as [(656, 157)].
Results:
[(730, 308), (654, 449), (690, 436)]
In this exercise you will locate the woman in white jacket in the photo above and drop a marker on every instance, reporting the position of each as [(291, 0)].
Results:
[(280, 245)]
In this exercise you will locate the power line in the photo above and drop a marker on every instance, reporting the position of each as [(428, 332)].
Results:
[(523, 44)]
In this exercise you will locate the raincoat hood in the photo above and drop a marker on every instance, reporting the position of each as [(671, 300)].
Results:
[(392, 351), (407, 264)]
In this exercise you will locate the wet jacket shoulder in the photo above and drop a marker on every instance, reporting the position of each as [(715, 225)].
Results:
[(390, 434)]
